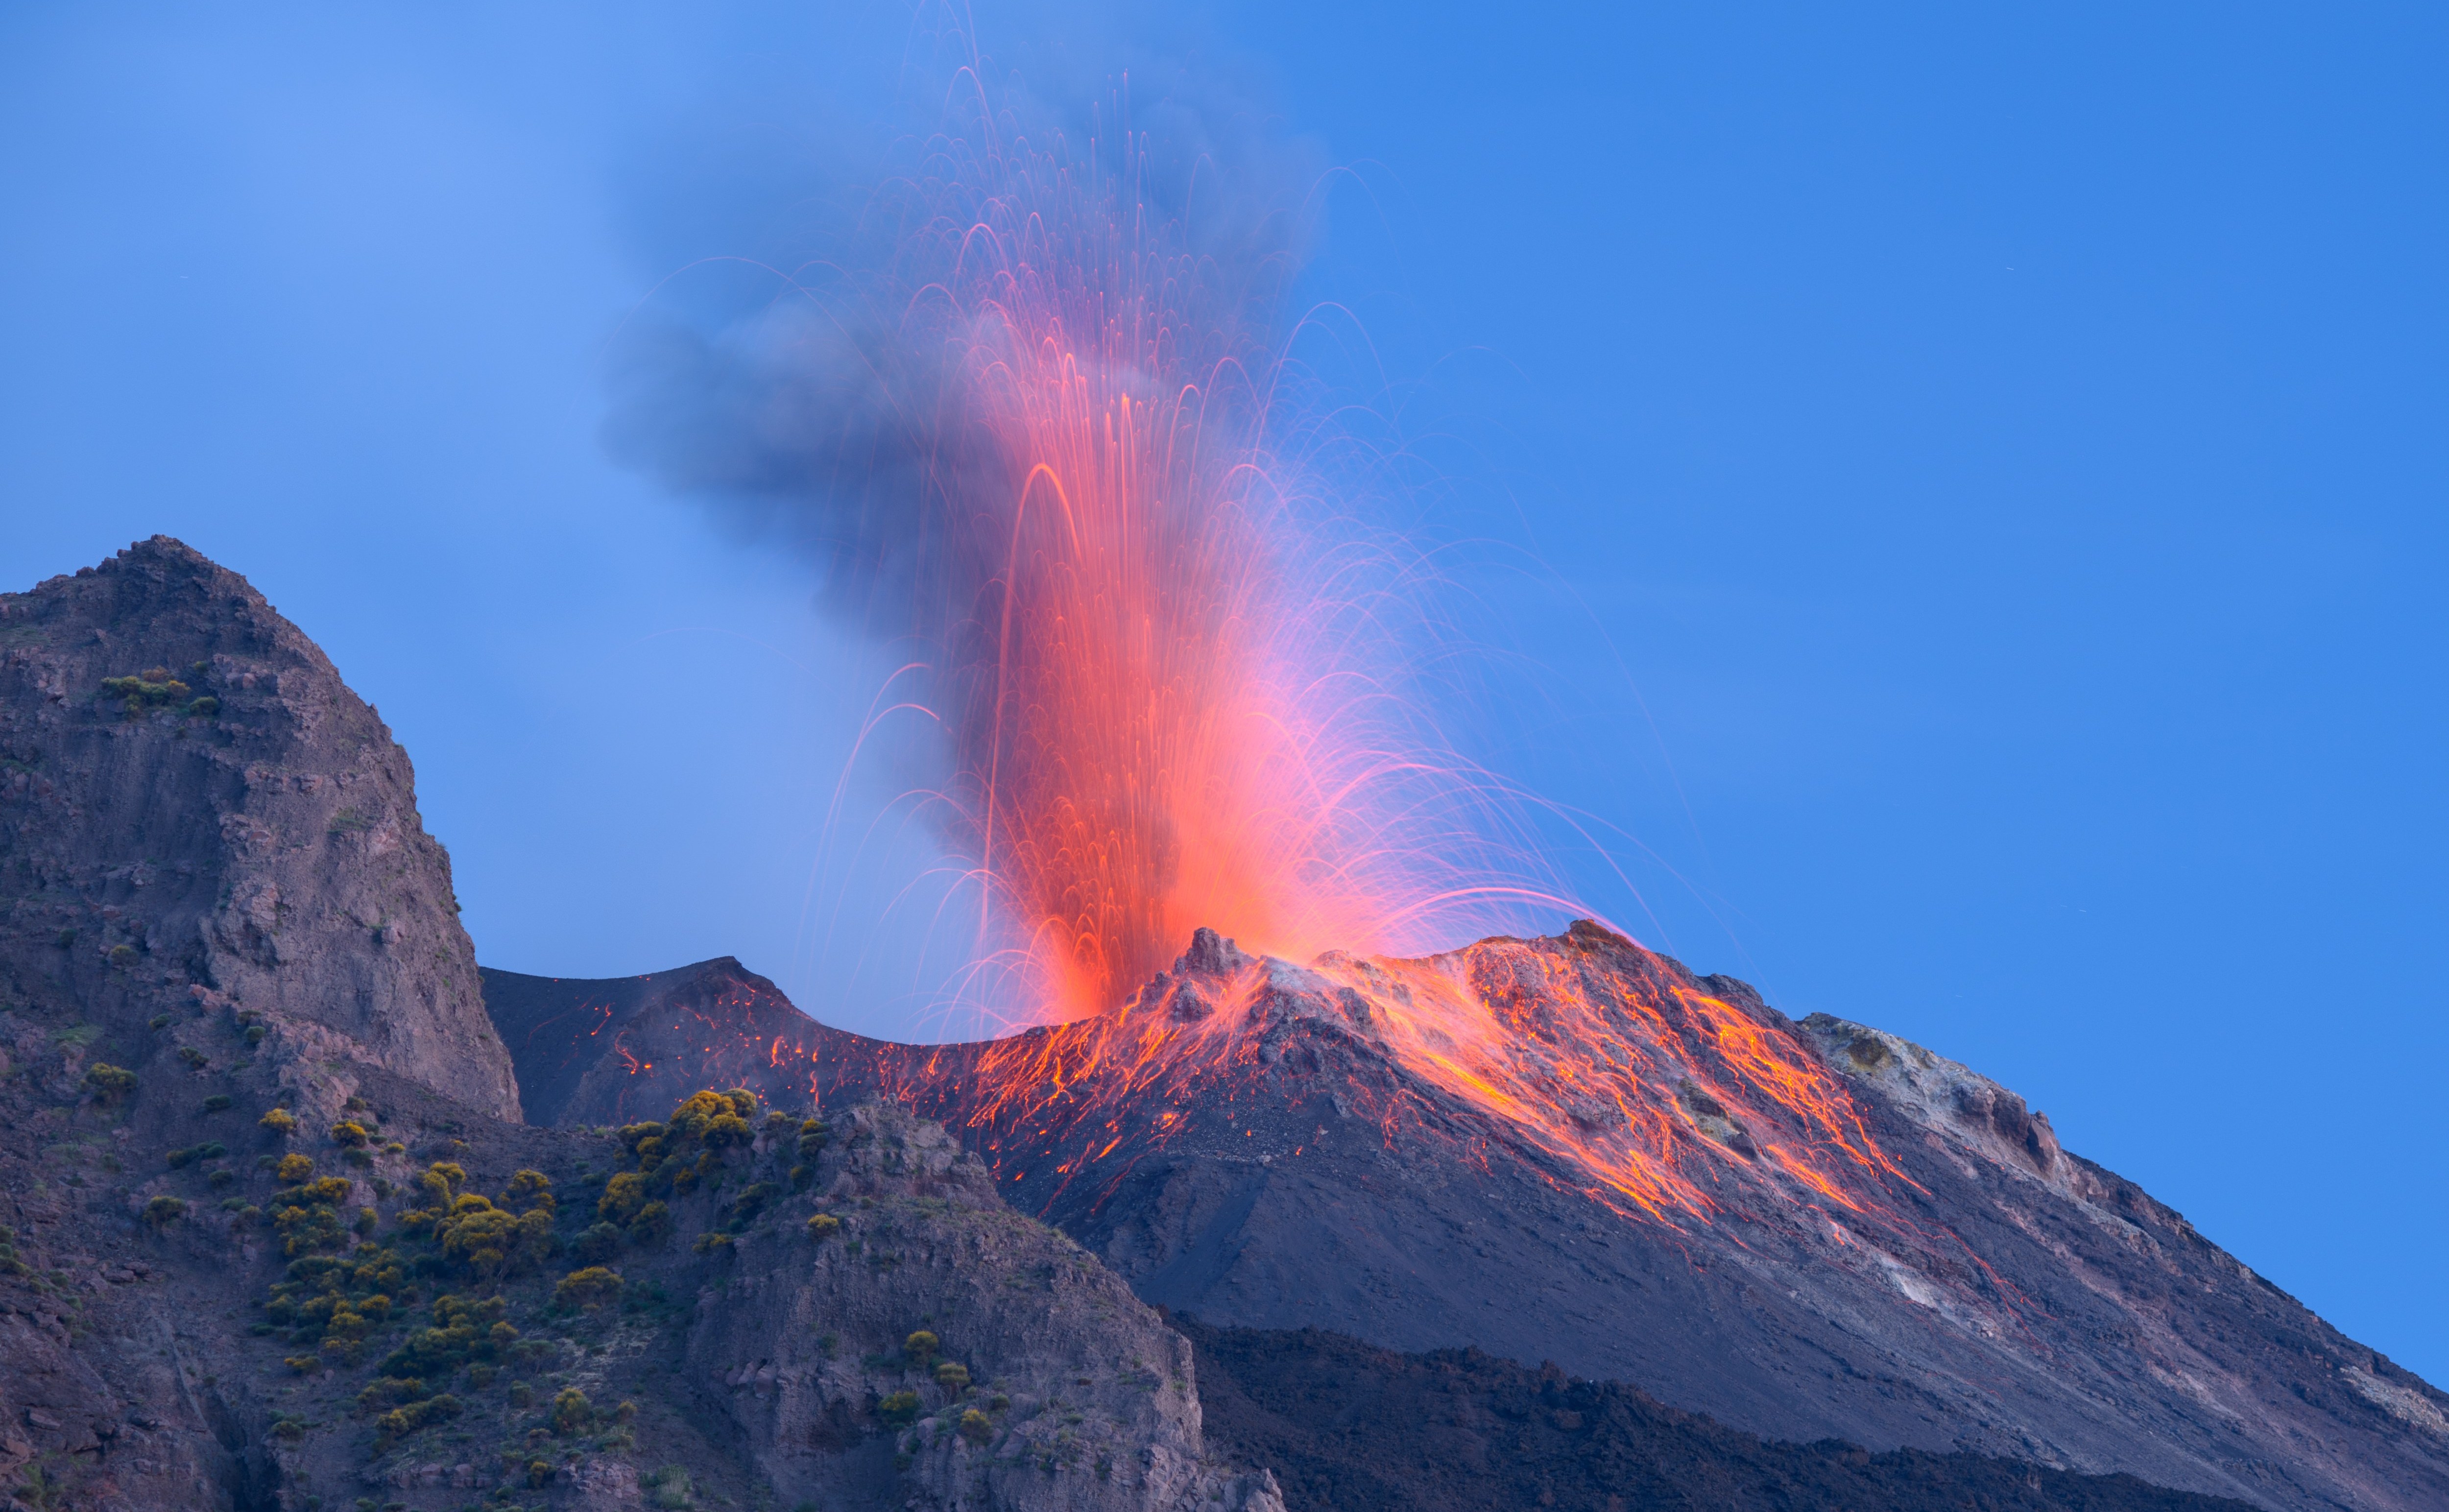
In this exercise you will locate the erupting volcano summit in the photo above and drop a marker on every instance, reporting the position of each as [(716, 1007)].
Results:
[(1573, 1149), (301, 1205)]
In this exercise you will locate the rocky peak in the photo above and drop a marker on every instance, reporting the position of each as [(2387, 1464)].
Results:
[(195, 813)]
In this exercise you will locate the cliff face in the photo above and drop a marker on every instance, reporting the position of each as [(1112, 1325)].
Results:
[(194, 810), (1090, 1401), (271, 1235), (1804, 1229), (1341, 1425)]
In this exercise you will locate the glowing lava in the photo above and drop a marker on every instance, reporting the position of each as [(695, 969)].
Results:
[(1168, 670), (1173, 680), (1590, 1050)]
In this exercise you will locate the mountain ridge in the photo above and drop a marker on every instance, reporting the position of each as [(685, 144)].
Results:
[(1985, 1292), (276, 1231)]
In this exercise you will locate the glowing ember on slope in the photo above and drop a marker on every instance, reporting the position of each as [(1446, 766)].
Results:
[(1594, 1055)]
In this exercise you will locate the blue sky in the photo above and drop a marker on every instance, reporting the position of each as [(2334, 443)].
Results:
[(1965, 484)]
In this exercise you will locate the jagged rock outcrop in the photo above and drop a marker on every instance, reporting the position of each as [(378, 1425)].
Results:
[(180, 1327), (1056, 1388), (195, 812), (628, 1047), (271, 1235)]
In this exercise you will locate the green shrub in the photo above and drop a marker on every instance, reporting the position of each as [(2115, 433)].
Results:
[(570, 1412), (464, 1328), (390, 1390), (669, 1487), (307, 1214), (752, 1202), (624, 1195), (652, 1226), (209, 1150), (594, 1286), (111, 1082), (529, 1192), (157, 1021), (152, 688), (123, 956), (218, 1102), (596, 1242), (441, 1182), (490, 1241), (162, 1211), (899, 1410), (400, 1421)]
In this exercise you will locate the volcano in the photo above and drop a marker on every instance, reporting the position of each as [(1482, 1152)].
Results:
[(1633, 1172), (302, 1207)]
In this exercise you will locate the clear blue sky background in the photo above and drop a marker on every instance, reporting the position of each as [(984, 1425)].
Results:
[(2003, 447)]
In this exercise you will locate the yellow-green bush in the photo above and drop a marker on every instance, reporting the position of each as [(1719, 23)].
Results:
[(571, 1413), (594, 1286)]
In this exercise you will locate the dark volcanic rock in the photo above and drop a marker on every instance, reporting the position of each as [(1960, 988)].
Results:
[(1973, 1287), (195, 810), (1083, 1398), (628, 1047), (273, 1237), (1352, 1428)]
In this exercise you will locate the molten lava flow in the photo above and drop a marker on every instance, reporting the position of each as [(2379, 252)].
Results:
[(1602, 1061)]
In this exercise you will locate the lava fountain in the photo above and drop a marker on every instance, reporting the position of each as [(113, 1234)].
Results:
[(1165, 665), (1050, 430)]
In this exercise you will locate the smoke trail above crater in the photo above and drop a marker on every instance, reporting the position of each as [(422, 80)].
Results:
[(1035, 418)]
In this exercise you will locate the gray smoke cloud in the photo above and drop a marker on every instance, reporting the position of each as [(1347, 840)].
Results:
[(788, 374)]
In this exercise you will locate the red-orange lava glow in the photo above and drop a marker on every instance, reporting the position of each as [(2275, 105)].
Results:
[(1637, 1088), (1166, 676), (1172, 701)]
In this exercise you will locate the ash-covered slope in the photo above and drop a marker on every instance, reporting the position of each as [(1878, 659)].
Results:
[(1573, 1149), (195, 810), (1347, 1427)]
